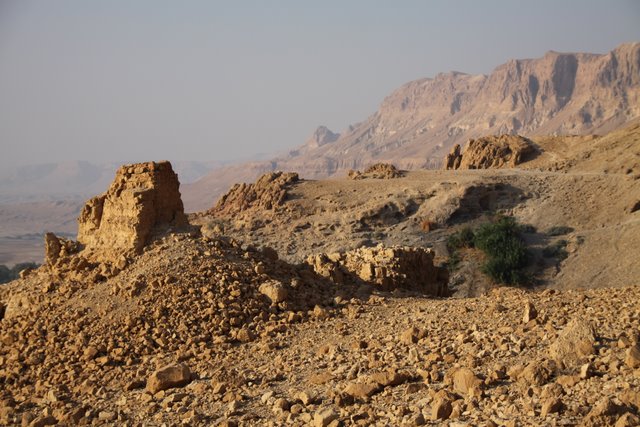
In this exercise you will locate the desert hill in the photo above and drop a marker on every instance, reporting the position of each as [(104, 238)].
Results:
[(327, 303), (416, 125), (586, 184)]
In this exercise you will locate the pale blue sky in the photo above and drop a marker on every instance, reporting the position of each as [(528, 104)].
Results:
[(212, 80)]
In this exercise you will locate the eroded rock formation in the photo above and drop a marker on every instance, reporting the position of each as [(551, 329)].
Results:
[(491, 152), (142, 197), (268, 192)]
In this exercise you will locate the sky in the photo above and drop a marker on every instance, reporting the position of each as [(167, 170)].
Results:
[(125, 80)]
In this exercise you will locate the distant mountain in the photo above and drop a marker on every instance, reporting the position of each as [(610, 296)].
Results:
[(75, 180), (416, 125)]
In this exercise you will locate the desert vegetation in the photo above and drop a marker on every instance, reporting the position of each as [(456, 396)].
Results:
[(506, 254)]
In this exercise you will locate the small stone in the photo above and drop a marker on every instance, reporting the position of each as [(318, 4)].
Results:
[(362, 390), (306, 397), (535, 373), (410, 336), (632, 356), (320, 313), (244, 335), (134, 384), (168, 377), (107, 416), (530, 312), (628, 420), (586, 371), (274, 290), (46, 420), (324, 417), (388, 378), (90, 353), (465, 381), (552, 405), (281, 404), (441, 410)]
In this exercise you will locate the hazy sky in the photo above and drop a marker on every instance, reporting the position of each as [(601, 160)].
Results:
[(212, 80)]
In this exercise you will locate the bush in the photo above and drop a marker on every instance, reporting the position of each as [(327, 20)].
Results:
[(528, 229), (559, 230), (506, 251), (461, 239), (557, 250)]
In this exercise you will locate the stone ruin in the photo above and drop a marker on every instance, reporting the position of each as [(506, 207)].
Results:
[(142, 198), (388, 268), (491, 152)]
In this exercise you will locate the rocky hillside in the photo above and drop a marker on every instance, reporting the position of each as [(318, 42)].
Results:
[(150, 320), (416, 125)]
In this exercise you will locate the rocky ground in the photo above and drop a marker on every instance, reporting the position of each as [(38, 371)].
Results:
[(324, 303)]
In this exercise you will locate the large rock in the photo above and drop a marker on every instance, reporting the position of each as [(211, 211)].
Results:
[(169, 377), (385, 267), (56, 248), (491, 152), (141, 198), (574, 344)]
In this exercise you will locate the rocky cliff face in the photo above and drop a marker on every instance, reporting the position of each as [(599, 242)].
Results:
[(415, 126), (142, 197)]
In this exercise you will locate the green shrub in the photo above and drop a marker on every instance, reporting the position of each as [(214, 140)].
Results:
[(461, 239), (507, 254), (556, 250), (559, 230), (527, 229)]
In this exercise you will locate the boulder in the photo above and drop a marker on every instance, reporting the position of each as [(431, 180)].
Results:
[(574, 344), (465, 381), (274, 290), (169, 377)]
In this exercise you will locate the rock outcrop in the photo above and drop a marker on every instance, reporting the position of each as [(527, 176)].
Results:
[(492, 152), (377, 171), (268, 193), (142, 197), (385, 267), (56, 248), (453, 159), (321, 136)]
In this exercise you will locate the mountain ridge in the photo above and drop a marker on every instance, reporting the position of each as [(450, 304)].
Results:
[(416, 125)]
